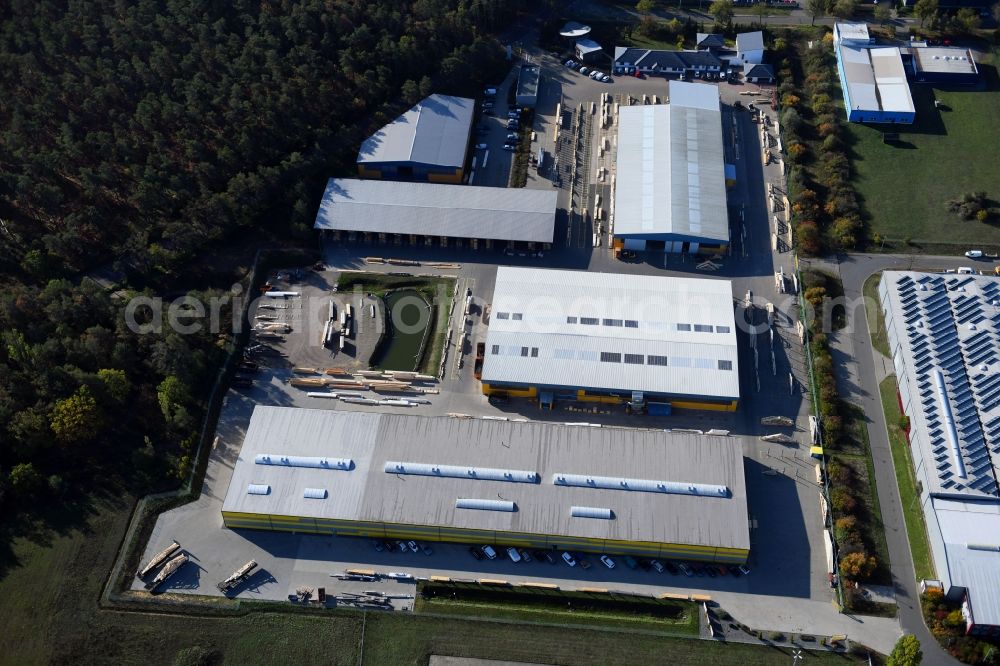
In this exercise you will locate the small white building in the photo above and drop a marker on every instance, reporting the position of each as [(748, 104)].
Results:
[(749, 48)]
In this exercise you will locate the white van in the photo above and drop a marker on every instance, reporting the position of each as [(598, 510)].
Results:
[(514, 556), (965, 270)]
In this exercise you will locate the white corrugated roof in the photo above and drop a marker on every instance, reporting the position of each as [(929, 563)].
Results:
[(876, 79), (433, 209), (434, 132), (890, 77), (970, 531), (551, 315), (670, 182)]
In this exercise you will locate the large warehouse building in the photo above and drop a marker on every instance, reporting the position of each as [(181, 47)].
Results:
[(670, 188), (429, 142), (613, 490), (433, 214), (942, 332), (607, 337)]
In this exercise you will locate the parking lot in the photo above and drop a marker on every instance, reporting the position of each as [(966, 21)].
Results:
[(787, 585)]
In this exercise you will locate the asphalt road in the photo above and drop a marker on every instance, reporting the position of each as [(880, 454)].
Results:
[(859, 385)]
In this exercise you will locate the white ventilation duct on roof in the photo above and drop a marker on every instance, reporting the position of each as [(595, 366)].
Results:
[(591, 512), (304, 461), (949, 422), (485, 504), (258, 489), (314, 493), (640, 485), (458, 472)]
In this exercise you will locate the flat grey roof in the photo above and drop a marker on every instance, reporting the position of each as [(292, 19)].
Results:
[(948, 60), (433, 132), (434, 209), (670, 180), (857, 32), (367, 493), (527, 80), (551, 313)]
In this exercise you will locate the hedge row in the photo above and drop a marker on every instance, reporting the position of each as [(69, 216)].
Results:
[(825, 209)]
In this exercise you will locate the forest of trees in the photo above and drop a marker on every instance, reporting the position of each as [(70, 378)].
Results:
[(137, 134)]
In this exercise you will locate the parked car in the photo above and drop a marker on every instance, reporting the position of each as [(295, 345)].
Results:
[(965, 270), (630, 562), (584, 70), (605, 78), (379, 546), (570, 63), (745, 570), (482, 146), (509, 146), (413, 546), (389, 546), (476, 553), (426, 550), (686, 569), (490, 92), (489, 552), (607, 561), (525, 555), (974, 254), (568, 559), (584, 562), (514, 556), (402, 547), (656, 564)]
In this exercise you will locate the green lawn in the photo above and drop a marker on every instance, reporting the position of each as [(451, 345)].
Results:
[(876, 320), (907, 482), (557, 607), (410, 640), (944, 154)]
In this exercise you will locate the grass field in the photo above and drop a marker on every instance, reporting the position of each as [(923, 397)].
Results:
[(49, 613), (876, 320), (560, 607), (944, 154), (905, 479)]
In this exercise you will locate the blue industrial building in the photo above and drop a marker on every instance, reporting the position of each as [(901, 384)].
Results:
[(873, 79)]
